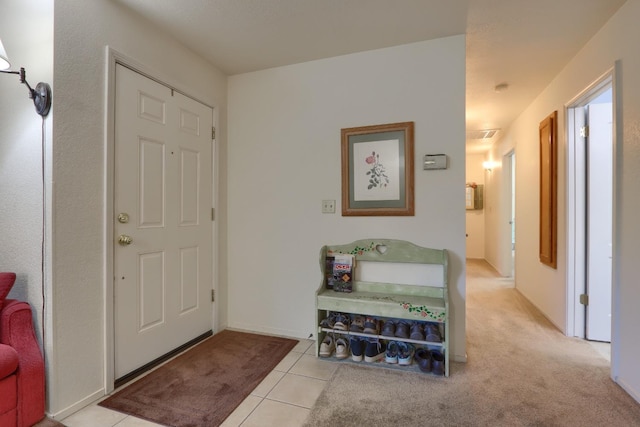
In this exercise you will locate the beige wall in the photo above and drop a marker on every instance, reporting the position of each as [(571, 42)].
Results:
[(284, 159), (21, 148)]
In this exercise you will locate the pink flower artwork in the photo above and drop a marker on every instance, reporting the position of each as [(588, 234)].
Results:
[(377, 175)]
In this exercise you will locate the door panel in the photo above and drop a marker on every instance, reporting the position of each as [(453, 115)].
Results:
[(151, 180), (189, 279), (150, 309), (163, 181), (600, 221), (189, 173)]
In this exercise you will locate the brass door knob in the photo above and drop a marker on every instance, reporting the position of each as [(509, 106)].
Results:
[(123, 218), (125, 240)]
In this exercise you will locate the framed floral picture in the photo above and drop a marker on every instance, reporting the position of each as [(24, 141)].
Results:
[(377, 170)]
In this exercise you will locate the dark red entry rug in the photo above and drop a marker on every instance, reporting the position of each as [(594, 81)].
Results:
[(205, 384)]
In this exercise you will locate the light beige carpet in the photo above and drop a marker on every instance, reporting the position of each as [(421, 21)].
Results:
[(521, 371)]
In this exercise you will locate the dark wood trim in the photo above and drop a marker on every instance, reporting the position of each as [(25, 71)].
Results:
[(548, 134), (133, 374)]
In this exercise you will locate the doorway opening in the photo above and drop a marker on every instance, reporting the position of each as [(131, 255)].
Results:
[(511, 177), (590, 191)]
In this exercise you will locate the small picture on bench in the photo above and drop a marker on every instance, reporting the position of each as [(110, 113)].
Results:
[(342, 277)]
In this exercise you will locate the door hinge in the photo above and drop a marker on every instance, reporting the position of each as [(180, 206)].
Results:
[(584, 299), (213, 295), (213, 132), (213, 214), (584, 131)]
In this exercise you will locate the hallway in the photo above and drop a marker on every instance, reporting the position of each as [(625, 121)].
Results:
[(538, 375), (482, 277)]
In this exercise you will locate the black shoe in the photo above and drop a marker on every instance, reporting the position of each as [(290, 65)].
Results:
[(375, 351), (437, 362), (432, 332), (423, 359), (402, 329), (417, 332), (356, 345), (388, 329)]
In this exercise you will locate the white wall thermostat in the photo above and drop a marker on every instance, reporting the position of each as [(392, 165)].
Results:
[(435, 161)]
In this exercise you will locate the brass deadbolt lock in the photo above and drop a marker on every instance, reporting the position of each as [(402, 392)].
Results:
[(123, 218)]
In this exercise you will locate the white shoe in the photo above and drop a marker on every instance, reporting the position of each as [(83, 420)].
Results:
[(327, 346), (342, 348)]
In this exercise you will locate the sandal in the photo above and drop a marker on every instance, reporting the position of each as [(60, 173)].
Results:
[(342, 322)]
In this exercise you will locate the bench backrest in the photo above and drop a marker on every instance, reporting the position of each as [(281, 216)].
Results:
[(414, 268)]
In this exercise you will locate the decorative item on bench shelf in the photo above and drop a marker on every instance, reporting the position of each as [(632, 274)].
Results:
[(341, 279), (328, 271)]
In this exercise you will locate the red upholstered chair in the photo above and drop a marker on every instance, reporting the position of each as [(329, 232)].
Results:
[(21, 363)]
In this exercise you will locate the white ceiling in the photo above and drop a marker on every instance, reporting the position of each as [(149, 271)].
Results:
[(523, 43)]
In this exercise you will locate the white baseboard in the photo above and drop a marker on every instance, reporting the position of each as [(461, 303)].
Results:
[(288, 333), (72, 409), (628, 388), (460, 358), (561, 328)]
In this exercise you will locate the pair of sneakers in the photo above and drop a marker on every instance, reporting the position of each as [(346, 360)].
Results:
[(329, 345), (369, 350), (399, 352)]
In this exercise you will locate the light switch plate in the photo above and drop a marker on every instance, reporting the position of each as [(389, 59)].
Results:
[(328, 206)]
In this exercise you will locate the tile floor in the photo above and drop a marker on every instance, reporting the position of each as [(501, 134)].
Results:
[(283, 398)]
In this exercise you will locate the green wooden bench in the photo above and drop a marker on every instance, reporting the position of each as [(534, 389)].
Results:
[(425, 299)]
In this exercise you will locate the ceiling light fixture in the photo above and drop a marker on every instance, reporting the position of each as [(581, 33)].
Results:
[(41, 95)]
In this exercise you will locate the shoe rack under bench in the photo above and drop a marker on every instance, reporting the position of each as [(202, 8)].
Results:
[(424, 301), (424, 343)]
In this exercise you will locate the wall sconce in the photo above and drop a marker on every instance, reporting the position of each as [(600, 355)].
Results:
[(41, 95), (488, 166)]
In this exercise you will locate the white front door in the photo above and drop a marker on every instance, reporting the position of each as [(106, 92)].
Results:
[(162, 199), (599, 220)]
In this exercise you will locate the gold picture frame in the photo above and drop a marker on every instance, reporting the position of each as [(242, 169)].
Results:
[(377, 170)]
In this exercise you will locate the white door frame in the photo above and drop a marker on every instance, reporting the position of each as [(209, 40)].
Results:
[(508, 159), (576, 238), (113, 57)]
